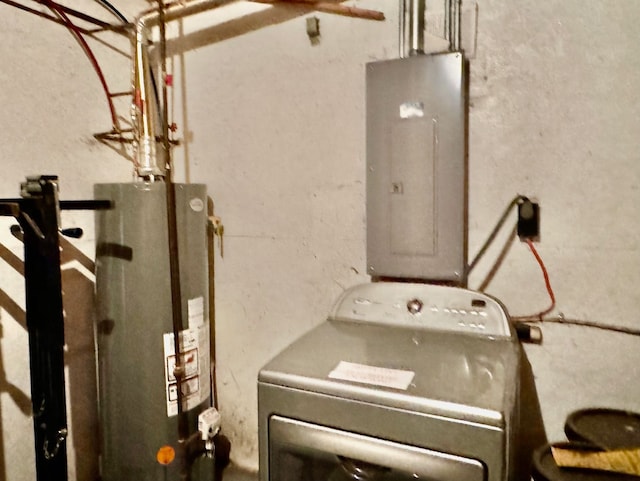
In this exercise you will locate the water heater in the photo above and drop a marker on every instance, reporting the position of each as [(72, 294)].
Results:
[(134, 332)]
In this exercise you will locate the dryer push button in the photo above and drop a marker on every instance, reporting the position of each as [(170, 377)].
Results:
[(414, 306)]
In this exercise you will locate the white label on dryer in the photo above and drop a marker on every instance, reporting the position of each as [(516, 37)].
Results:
[(379, 376)]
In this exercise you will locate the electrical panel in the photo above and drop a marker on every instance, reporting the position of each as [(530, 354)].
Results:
[(416, 168)]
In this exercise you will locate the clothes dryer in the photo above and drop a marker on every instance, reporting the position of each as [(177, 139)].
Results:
[(402, 382)]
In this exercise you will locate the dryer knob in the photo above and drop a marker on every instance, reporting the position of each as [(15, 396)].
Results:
[(414, 306)]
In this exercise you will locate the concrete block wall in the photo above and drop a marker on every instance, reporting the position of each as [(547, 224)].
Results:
[(275, 127)]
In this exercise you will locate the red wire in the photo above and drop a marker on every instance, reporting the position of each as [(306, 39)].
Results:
[(87, 50), (552, 296)]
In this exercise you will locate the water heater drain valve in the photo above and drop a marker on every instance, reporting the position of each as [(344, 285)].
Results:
[(209, 426)]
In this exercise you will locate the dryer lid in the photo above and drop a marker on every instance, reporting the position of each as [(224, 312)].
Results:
[(468, 377)]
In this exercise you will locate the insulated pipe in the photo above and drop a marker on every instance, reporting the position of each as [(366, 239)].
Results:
[(143, 110), (144, 114), (416, 27)]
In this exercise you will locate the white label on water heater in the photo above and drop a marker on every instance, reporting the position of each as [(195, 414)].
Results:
[(195, 308), (194, 349), (379, 376)]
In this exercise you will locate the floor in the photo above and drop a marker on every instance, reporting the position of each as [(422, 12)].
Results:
[(234, 473)]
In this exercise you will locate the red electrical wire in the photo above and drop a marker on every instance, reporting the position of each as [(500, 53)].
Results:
[(56, 8), (552, 296)]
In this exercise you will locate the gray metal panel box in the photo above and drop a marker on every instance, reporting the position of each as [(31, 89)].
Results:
[(416, 168)]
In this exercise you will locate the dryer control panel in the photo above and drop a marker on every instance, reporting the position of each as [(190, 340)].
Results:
[(423, 306)]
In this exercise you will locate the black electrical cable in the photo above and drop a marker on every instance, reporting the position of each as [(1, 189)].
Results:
[(70, 11), (174, 262), (75, 31), (107, 5), (583, 323), (539, 318), (62, 14), (76, 13), (502, 255), (494, 232), (451, 34)]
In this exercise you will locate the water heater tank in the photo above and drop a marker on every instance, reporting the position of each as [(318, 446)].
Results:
[(134, 330)]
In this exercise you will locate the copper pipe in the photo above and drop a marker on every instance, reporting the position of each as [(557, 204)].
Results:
[(144, 113)]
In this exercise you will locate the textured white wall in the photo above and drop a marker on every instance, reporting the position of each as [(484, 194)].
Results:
[(51, 105), (275, 127), (554, 115)]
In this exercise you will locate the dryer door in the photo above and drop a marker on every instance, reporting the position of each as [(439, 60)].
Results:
[(300, 451)]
